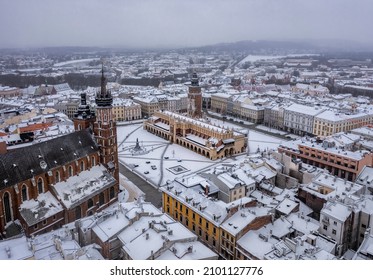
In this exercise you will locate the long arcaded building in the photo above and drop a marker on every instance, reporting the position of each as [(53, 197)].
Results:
[(208, 140)]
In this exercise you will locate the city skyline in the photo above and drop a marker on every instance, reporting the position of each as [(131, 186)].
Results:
[(165, 23)]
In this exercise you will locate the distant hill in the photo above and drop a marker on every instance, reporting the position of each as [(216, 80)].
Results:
[(286, 47)]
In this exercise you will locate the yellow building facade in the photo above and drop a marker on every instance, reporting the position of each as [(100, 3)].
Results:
[(328, 123)]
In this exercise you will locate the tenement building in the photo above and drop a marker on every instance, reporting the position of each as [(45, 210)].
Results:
[(338, 161), (48, 184), (210, 141)]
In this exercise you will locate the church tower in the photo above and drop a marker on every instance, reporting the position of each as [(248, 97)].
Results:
[(195, 98), (105, 130), (84, 117)]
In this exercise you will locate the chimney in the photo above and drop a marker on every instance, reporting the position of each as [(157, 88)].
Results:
[(3, 148)]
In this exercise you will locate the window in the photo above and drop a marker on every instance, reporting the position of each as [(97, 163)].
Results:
[(325, 227), (101, 199), (363, 226), (186, 222), (7, 207), (70, 171), (335, 223), (24, 193), (213, 242), (93, 163), (40, 185), (186, 211), (57, 177), (168, 199), (194, 216), (90, 203), (194, 227), (214, 230), (200, 220), (334, 231), (44, 222), (81, 166), (111, 193)]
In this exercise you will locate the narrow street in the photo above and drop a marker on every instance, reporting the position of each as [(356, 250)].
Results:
[(152, 194)]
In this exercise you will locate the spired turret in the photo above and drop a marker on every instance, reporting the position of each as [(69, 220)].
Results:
[(84, 117), (84, 111), (104, 97)]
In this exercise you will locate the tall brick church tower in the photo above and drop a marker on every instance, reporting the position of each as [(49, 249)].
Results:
[(105, 129), (195, 98)]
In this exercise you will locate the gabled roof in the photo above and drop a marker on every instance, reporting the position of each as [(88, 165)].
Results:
[(23, 163)]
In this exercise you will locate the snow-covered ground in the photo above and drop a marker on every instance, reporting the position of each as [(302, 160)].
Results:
[(253, 58), (160, 155), (258, 140), (75, 62)]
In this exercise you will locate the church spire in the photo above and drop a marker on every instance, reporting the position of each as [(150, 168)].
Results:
[(84, 111), (103, 97), (84, 117)]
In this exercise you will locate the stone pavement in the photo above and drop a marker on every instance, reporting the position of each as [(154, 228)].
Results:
[(132, 189)]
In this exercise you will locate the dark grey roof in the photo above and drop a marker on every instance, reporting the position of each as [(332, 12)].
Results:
[(23, 163)]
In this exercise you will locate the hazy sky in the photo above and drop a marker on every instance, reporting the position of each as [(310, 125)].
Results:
[(157, 23)]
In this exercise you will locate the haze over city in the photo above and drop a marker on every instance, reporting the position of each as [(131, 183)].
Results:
[(186, 130), (167, 23)]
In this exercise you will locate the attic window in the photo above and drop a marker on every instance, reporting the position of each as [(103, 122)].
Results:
[(61, 149), (43, 164)]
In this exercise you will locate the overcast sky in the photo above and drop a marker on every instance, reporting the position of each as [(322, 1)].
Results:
[(178, 23)]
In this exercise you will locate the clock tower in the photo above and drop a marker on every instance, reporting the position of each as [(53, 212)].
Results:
[(195, 98)]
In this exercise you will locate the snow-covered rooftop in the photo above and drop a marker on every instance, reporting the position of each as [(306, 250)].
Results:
[(83, 186), (44, 206)]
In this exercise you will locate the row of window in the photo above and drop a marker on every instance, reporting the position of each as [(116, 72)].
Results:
[(57, 177)]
